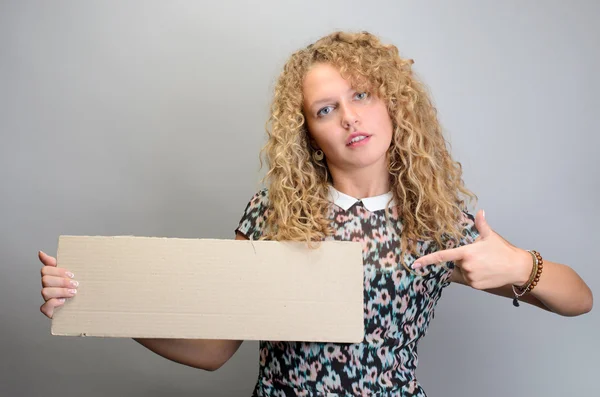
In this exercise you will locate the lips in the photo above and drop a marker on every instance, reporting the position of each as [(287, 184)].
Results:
[(363, 135)]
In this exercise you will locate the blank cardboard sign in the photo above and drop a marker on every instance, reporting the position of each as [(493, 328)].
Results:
[(212, 289)]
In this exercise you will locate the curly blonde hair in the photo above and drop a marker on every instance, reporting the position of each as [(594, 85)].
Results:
[(424, 179)]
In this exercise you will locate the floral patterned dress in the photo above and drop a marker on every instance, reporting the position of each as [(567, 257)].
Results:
[(398, 307)]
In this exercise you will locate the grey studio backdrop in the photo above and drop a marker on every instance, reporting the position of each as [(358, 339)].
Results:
[(145, 118)]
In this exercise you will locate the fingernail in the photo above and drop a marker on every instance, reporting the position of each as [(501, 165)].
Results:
[(61, 300), (483, 213), (73, 291), (416, 265), (74, 283), (70, 275)]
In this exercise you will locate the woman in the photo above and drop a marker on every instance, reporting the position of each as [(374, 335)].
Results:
[(355, 152)]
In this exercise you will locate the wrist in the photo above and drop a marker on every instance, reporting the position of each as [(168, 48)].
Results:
[(524, 267)]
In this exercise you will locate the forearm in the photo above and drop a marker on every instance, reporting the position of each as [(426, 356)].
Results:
[(560, 288), (204, 354)]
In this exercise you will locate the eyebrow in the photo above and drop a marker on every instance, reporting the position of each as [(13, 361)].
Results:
[(325, 100)]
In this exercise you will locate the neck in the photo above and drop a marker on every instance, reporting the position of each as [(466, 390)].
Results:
[(362, 182)]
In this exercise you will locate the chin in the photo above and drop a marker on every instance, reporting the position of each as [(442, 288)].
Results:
[(369, 161)]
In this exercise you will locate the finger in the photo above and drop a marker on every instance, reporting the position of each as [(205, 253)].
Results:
[(54, 292), (481, 224), (451, 255), (55, 281), (56, 271), (46, 259), (48, 307)]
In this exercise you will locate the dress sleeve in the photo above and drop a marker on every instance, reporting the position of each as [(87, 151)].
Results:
[(253, 219)]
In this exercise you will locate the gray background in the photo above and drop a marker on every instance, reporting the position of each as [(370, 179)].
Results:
[(146, 118)]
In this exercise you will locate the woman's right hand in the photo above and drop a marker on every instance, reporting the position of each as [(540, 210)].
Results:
[(57, 284)]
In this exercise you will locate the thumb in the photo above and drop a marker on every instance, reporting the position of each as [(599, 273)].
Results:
[(46, 259), (481, 224)]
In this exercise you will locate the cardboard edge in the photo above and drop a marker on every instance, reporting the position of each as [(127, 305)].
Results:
[(62, 237)]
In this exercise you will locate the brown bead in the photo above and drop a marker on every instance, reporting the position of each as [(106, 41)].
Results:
[(537, 279), (534, 283)]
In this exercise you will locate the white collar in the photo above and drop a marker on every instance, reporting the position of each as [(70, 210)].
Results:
[(372, 204)]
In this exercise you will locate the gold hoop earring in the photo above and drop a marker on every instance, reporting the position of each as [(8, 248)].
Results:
[(318, 155)]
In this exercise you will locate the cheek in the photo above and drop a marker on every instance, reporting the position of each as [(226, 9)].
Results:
[(315, 134), (385, 122), (322, 134)]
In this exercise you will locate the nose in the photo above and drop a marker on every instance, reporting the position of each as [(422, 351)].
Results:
[(349, 116)]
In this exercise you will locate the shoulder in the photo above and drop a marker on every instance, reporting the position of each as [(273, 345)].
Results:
[(260, 200), (467, 219), (468, 228), (253, 218)]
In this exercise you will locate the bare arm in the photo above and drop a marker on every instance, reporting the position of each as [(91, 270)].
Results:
[(206, 354), (560, 289)]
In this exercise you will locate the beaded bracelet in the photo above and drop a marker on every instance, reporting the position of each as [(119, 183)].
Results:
[(534, 278)]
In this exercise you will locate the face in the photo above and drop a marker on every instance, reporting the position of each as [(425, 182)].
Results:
[(353, 128)]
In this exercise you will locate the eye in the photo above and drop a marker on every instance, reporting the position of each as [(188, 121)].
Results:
[(361, 95), (325, 111)]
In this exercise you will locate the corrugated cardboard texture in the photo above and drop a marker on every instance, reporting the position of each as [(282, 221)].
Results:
[(212, 289)]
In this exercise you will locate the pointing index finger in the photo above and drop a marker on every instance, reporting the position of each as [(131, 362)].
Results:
[(449, 255)]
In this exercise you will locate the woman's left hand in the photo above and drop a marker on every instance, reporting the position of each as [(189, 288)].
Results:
[(489, 262)]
